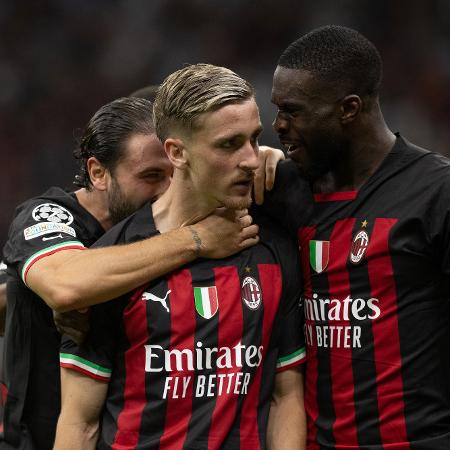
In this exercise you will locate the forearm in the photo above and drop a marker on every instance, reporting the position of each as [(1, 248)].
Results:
[(84, 278), (287, 425), (287, 419), (82, 399), (75, 436)]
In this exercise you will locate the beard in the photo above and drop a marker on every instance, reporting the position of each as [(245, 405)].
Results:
[(324, 154), (119, 206), (242, 202)]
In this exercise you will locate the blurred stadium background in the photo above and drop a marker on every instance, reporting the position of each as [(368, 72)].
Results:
[(60, 60)]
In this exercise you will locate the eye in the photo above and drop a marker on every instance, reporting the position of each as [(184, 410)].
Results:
[(153, 177), (230, 144), (227, 144), (289, 112)]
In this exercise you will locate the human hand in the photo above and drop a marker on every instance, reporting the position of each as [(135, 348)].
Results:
[(265, 174), (74, 324), (225, 232)]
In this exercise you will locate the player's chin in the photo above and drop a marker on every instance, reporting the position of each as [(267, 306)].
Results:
[(238, 202)]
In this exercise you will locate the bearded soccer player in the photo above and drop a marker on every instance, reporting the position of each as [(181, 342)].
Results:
[(375, 254), (193, 360), (123, 165)]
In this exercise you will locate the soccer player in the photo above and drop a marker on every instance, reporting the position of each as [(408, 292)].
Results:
[(189, 360), (123, 165), (375, 253)]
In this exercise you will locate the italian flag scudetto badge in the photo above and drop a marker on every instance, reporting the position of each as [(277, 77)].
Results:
[(319, 254), (206, 301)]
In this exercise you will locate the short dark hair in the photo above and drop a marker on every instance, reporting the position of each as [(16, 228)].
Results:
[(107, 132), (148, 92), (338, 54)]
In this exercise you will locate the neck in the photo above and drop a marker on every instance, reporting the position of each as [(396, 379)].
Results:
[(368, 147), (95, 203), (180, 205)]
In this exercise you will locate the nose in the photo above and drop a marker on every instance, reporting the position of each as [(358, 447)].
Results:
[(250, 160), (280, 123)]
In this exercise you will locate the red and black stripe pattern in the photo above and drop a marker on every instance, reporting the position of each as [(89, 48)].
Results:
[(186, 375), (377, 317)]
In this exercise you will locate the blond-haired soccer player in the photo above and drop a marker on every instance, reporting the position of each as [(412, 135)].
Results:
[(208, 356)]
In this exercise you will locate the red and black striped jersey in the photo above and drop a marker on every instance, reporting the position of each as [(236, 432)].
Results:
[(376, 266), (191, 357), (43, 225)]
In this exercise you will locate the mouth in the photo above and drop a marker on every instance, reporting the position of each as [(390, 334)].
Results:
[(244, 183), (292, 149), (243, 186)]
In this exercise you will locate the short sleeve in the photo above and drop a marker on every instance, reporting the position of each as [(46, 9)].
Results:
[(291, 341), (3, 274), (41, 228), (95, 357), (292, 349)]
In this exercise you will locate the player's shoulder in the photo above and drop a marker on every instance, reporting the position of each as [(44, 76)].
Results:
[(427, 160), (276, 237), (56, 210), (136, 227), (55, 202)]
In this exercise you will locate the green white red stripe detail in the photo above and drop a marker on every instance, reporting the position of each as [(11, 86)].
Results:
[(84, 366), (294, 358), (206, 301), (77, 245), (319, 252)]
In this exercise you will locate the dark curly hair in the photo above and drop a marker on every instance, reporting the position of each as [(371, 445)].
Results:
[(338, 54), (107, 132)]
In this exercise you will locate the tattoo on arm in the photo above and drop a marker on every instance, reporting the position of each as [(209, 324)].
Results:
[(197, 240)]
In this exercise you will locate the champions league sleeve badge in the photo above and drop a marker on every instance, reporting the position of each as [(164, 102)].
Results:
[(51, 218), (50, 212)]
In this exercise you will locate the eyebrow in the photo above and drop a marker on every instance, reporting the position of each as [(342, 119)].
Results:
[(233, 136)]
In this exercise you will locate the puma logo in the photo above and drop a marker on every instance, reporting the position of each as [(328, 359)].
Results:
[(154, 298)]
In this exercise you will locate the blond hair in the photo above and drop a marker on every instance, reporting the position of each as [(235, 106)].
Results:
[(196, 89)]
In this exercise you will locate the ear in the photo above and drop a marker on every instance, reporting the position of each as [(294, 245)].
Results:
[(176, 152), (98, 174), (351, 106)]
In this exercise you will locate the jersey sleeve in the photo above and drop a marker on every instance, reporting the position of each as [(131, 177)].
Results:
[(40, 228), (3, 274), (291, 341), (95, 357)]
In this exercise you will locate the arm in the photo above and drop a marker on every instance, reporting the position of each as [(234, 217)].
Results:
[(82, 401), (287, 419), (265, 174), (74, 279)]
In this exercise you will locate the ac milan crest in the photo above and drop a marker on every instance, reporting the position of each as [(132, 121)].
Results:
[(359, 246), (251, 293)]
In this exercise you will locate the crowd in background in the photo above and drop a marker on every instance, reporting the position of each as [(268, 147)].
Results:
[(60, 60)]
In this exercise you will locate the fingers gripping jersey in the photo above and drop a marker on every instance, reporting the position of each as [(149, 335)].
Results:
[(191, 358), (42, 226)]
